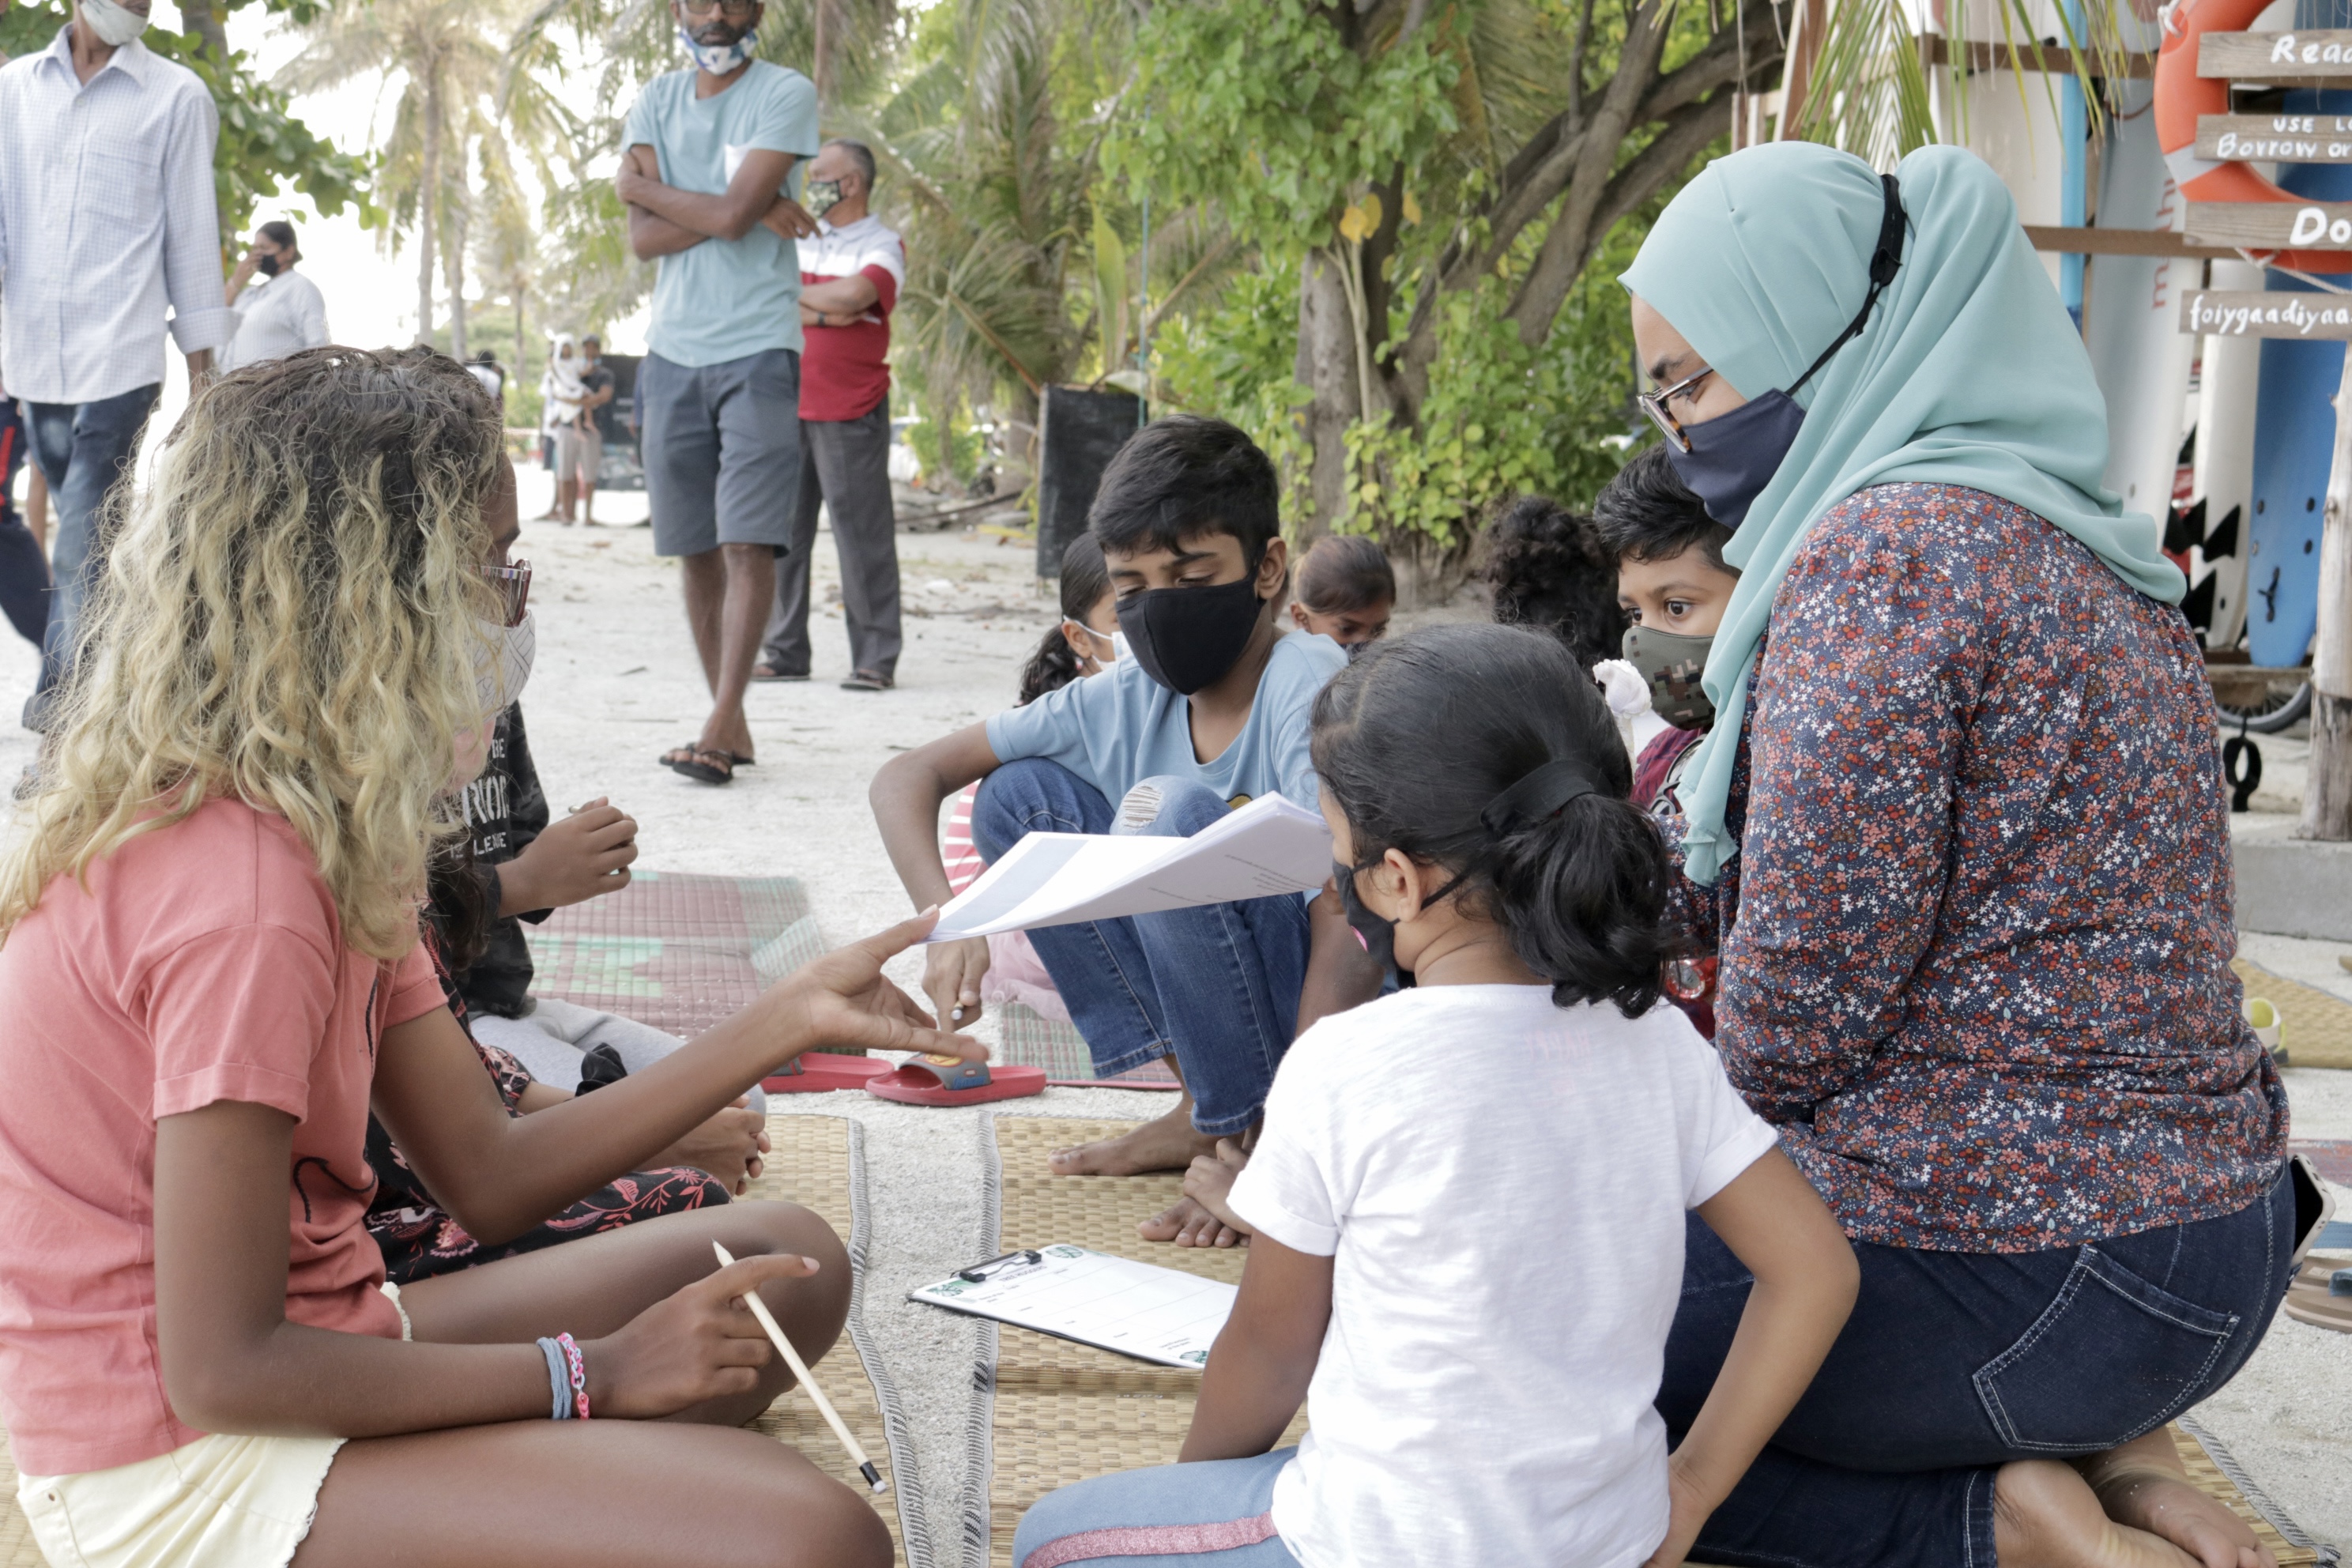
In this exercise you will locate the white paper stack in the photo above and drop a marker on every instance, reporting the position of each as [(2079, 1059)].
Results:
[(1268, 846), (1141, 1310)]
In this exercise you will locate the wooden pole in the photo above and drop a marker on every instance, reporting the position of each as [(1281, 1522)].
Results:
[(2327, 784)]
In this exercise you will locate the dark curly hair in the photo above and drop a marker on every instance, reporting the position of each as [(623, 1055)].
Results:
[(1550, 573), (1416, 738)]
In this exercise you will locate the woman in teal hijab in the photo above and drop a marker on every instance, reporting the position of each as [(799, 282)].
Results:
[(1959, 834)]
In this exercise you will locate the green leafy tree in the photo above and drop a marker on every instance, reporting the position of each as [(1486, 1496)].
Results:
[(263, 145), (1441, 175)]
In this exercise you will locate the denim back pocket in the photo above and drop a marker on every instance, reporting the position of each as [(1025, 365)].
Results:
[(2111, 1358)]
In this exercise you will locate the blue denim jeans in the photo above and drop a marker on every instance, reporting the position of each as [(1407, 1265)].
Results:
[(83, 448), (1217, 986), (1210, 1515), (24, 570), (1953, 1363)]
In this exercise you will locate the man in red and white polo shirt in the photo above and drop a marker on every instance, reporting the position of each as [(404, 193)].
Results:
[(850, 277)]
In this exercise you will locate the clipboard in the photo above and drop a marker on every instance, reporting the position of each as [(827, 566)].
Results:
[(1161, 1315)]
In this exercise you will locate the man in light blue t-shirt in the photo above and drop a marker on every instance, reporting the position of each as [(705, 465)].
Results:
[(708, 171), (1210, 709)]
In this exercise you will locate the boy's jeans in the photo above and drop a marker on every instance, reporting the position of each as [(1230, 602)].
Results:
[(1218, 984), (84, 451)]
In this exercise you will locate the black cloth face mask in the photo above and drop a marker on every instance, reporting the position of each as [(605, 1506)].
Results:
[(1379, 934), (1186, 638), (1727, 460), (267, 266)]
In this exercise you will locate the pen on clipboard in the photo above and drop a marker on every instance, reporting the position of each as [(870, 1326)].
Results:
[(800, 1370)]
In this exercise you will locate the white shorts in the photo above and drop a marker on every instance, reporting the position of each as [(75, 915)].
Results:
[(221, 1501)]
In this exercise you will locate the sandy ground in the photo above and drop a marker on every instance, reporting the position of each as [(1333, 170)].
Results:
[(616, 683)]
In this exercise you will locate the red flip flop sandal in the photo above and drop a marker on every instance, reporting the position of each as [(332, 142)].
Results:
[(821, 1072), (950, 1080)]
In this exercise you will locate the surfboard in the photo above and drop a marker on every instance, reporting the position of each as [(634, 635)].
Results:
[(2294, 440), (2132, 312), (2228, 377)]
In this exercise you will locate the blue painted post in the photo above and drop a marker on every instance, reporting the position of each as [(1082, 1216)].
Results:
[(2074, 134)]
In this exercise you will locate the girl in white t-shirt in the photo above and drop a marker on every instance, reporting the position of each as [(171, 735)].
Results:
[(1469, 1196)]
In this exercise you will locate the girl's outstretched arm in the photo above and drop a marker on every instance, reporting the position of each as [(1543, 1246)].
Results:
[(1805, 1273), (1262, 1361)]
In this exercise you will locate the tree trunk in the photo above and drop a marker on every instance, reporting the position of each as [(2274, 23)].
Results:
[(197, 16), (1326, 365), (2327, 783), (427, 197), (521, 298), (452, 267)]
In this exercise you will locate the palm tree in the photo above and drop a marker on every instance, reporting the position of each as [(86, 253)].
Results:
[(459, 112)]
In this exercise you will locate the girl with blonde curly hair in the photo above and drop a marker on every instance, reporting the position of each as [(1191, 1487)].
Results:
[(210, 966)]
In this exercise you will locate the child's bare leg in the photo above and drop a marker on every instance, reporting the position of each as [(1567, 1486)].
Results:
[(595, 1494), (1212, 1221), (2143, 1484), (591, 1287)]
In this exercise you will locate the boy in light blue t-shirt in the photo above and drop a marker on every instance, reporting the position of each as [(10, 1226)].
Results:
[(1210, 710), (708, 165)]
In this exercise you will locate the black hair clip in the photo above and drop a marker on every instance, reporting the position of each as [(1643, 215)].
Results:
[(1537, 795), (977, 1273)]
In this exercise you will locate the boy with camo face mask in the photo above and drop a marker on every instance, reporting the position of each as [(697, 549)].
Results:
[(1673, 586)]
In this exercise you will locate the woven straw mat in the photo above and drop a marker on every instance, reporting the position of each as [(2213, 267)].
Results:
[(2316, 1028), (1066, 1412), (809, 1165), (679, 952), (1032, 1039)]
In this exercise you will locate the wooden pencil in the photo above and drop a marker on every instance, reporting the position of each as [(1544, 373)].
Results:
[(800, 1370)]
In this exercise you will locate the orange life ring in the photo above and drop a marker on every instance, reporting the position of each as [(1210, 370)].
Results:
[(2181, 95)]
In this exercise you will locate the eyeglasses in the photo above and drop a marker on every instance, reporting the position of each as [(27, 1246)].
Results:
[(513, 585), (1654, 403), (735, 10)]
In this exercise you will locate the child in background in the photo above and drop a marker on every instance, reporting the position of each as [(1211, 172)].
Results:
[(1673, 585), (1470, 1197), (1549, 571), (1086, 641), (1346, 591)]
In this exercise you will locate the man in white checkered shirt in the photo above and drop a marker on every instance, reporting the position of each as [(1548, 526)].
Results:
[(106, 218)]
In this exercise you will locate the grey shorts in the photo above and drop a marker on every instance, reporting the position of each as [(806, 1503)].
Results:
[(578, 453), (722, 450)]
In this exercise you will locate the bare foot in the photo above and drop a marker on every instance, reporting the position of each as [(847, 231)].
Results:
[(1166, 1143), (1209, 1182), (2044, 1515), (2143, 1485), (1189, 1225)]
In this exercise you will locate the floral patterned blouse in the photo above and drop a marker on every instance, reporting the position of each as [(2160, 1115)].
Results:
[(1976, 944)]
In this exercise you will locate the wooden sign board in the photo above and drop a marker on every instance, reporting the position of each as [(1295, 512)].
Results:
[(2276, 57), (2233, 314), (2271, 226), (2276, 138)]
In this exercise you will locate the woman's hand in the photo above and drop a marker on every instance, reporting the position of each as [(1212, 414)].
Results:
[(1688, 1506), (951, 976), (700, 1344), (842, 1000), (728, 1147)]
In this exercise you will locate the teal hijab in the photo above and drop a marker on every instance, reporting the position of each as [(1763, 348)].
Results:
[(1968, 372)]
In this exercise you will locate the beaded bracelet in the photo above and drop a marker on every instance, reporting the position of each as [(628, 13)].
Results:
[(559, 1381), (579, 1374)]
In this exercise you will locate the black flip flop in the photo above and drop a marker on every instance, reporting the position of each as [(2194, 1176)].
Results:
[(706, 764)]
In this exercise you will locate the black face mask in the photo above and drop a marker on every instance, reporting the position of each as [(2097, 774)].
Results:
[(1379, 934), (1186, 638), (267, 266), (1734, 456)]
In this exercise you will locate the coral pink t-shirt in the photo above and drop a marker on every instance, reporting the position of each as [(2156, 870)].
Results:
[(205, 962)]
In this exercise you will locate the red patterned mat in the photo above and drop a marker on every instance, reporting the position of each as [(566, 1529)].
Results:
[(676, 951), (2332, 1155)]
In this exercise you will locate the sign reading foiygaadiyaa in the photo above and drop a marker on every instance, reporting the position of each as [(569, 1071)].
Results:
[(2271, 226), (2276, 138), (2231, 314), (2275, 57)]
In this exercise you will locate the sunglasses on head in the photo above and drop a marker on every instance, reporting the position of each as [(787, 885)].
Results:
[(513, 584)]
